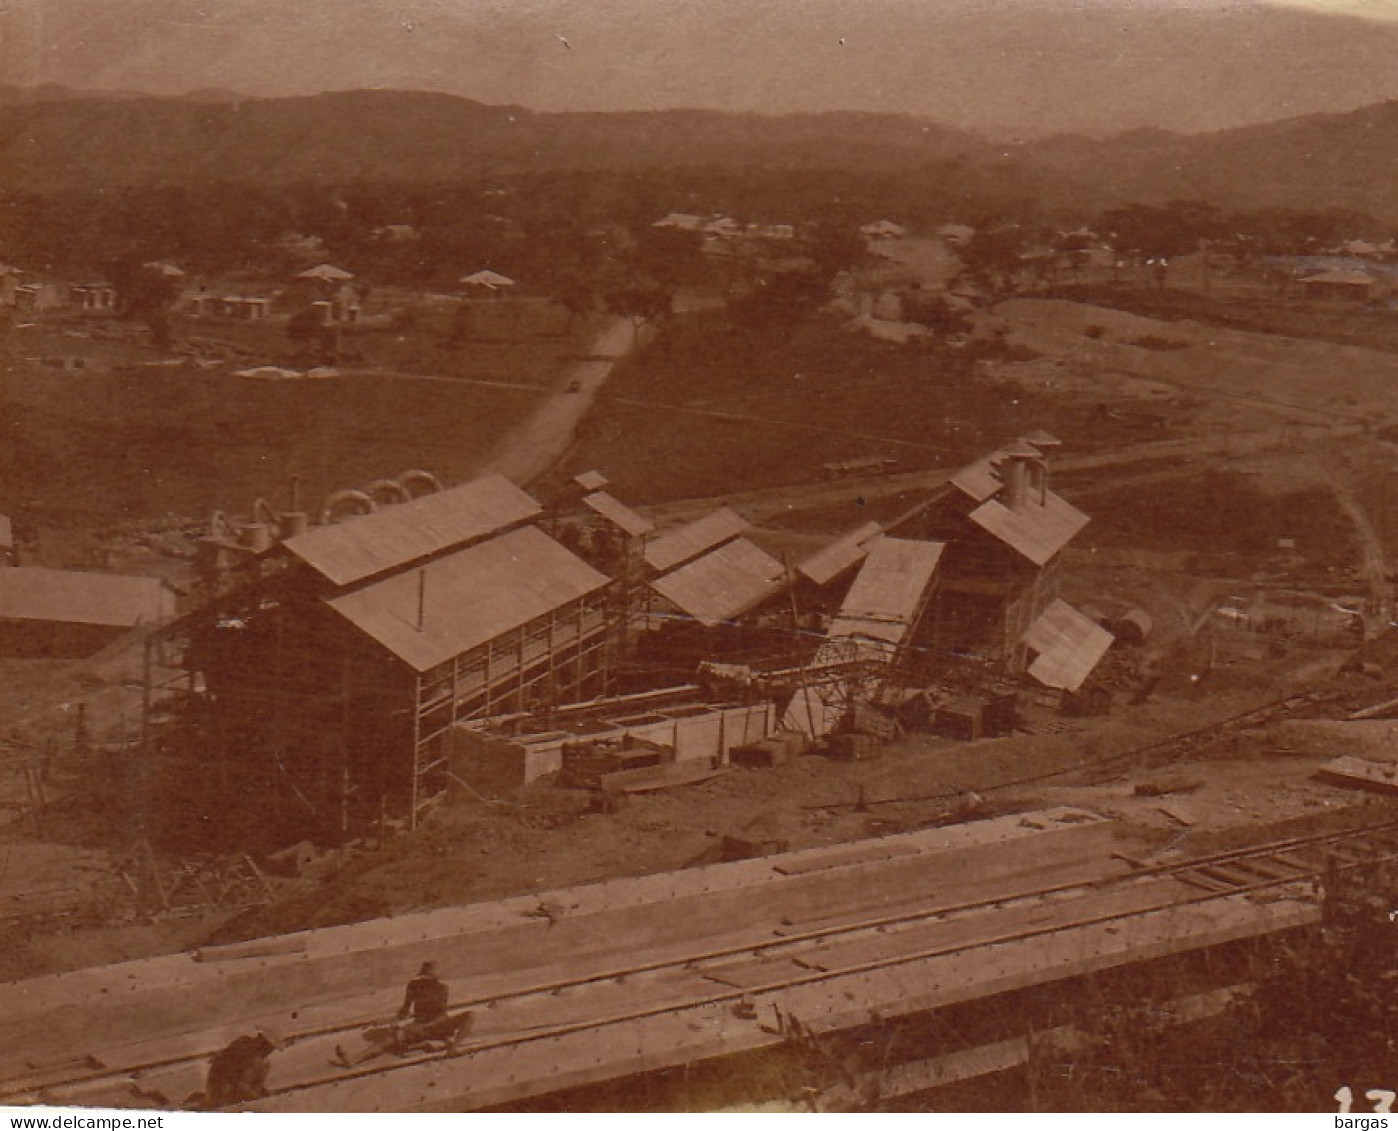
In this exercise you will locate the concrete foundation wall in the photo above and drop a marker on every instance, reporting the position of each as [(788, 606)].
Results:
[(494, 762)]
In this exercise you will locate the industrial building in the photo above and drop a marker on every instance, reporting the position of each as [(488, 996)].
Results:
[(333, 677), (61, 613), (1005, 529), (357, 669)]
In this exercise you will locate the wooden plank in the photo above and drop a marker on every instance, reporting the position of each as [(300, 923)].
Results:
[(853, 915), (1219, 876), (1265, 868), (1362, 772), (871, 855), (758, 972), (1197, 881)]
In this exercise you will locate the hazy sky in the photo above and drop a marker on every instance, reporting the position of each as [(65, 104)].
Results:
[(1020, 66)]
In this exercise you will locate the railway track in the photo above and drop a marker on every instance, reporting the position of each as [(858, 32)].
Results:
[(797, 954)]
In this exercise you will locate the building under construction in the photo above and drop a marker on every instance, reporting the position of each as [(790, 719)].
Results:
[(329, 680)]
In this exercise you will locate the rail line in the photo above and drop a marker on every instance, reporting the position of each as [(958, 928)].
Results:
[(1256, 868)]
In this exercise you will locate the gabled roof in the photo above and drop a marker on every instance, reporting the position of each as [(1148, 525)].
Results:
[(112, 600), (490, 279), (1069, 645), (361, 547), (468, 598), (724, 583), (1035, 530), (619, 514), (684, 542), (844, 553), (326, 273), (890, 591), (1041, 439)]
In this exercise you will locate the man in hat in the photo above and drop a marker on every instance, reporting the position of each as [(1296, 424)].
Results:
[(422, 1018), (238, 1072)]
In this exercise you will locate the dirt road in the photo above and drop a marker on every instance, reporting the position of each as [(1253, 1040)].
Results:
[(529, 450), (770, 503)]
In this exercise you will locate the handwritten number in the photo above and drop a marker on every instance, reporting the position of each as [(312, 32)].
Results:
[(1383, 1101), (1344, 1097)]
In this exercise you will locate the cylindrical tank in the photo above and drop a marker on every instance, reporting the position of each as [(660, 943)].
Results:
[(294, 523), (256, 536), (1133, 626)]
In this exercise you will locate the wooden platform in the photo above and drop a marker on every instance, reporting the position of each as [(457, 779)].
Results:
[(591, 983)]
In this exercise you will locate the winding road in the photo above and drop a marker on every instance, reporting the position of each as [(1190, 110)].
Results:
[(530, 449)]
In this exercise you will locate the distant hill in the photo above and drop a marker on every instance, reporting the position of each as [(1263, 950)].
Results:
[(56, 144), (62, 140), (53, 92), (1318, 161)]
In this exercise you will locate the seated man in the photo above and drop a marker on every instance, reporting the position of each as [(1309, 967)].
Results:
[(423, 1019), (238, 1072)]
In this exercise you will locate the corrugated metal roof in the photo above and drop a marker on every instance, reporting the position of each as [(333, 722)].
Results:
[(890, 590), (724, 583), (469, 597), (846, 551), (619, 514), (72, 597), (1035, 530), (361, 547), (1069, 646), (684, 542)]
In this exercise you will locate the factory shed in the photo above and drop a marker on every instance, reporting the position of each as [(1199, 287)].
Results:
[(890, 592), (449, 607), (1063, 646), (348, 552), (840, 556), (334, 679), (69, 613), (869, 638), (724, 583), (1006, 530), (675, 547)]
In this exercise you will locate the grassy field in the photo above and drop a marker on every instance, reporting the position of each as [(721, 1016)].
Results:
[(1226, 518), (1343, 323), (706, 410), (122, 440)]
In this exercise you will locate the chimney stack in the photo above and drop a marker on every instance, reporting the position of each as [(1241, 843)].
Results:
[(1021, 470)]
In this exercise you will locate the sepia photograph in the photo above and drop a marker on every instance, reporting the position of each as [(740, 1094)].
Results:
[(711, 556)]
